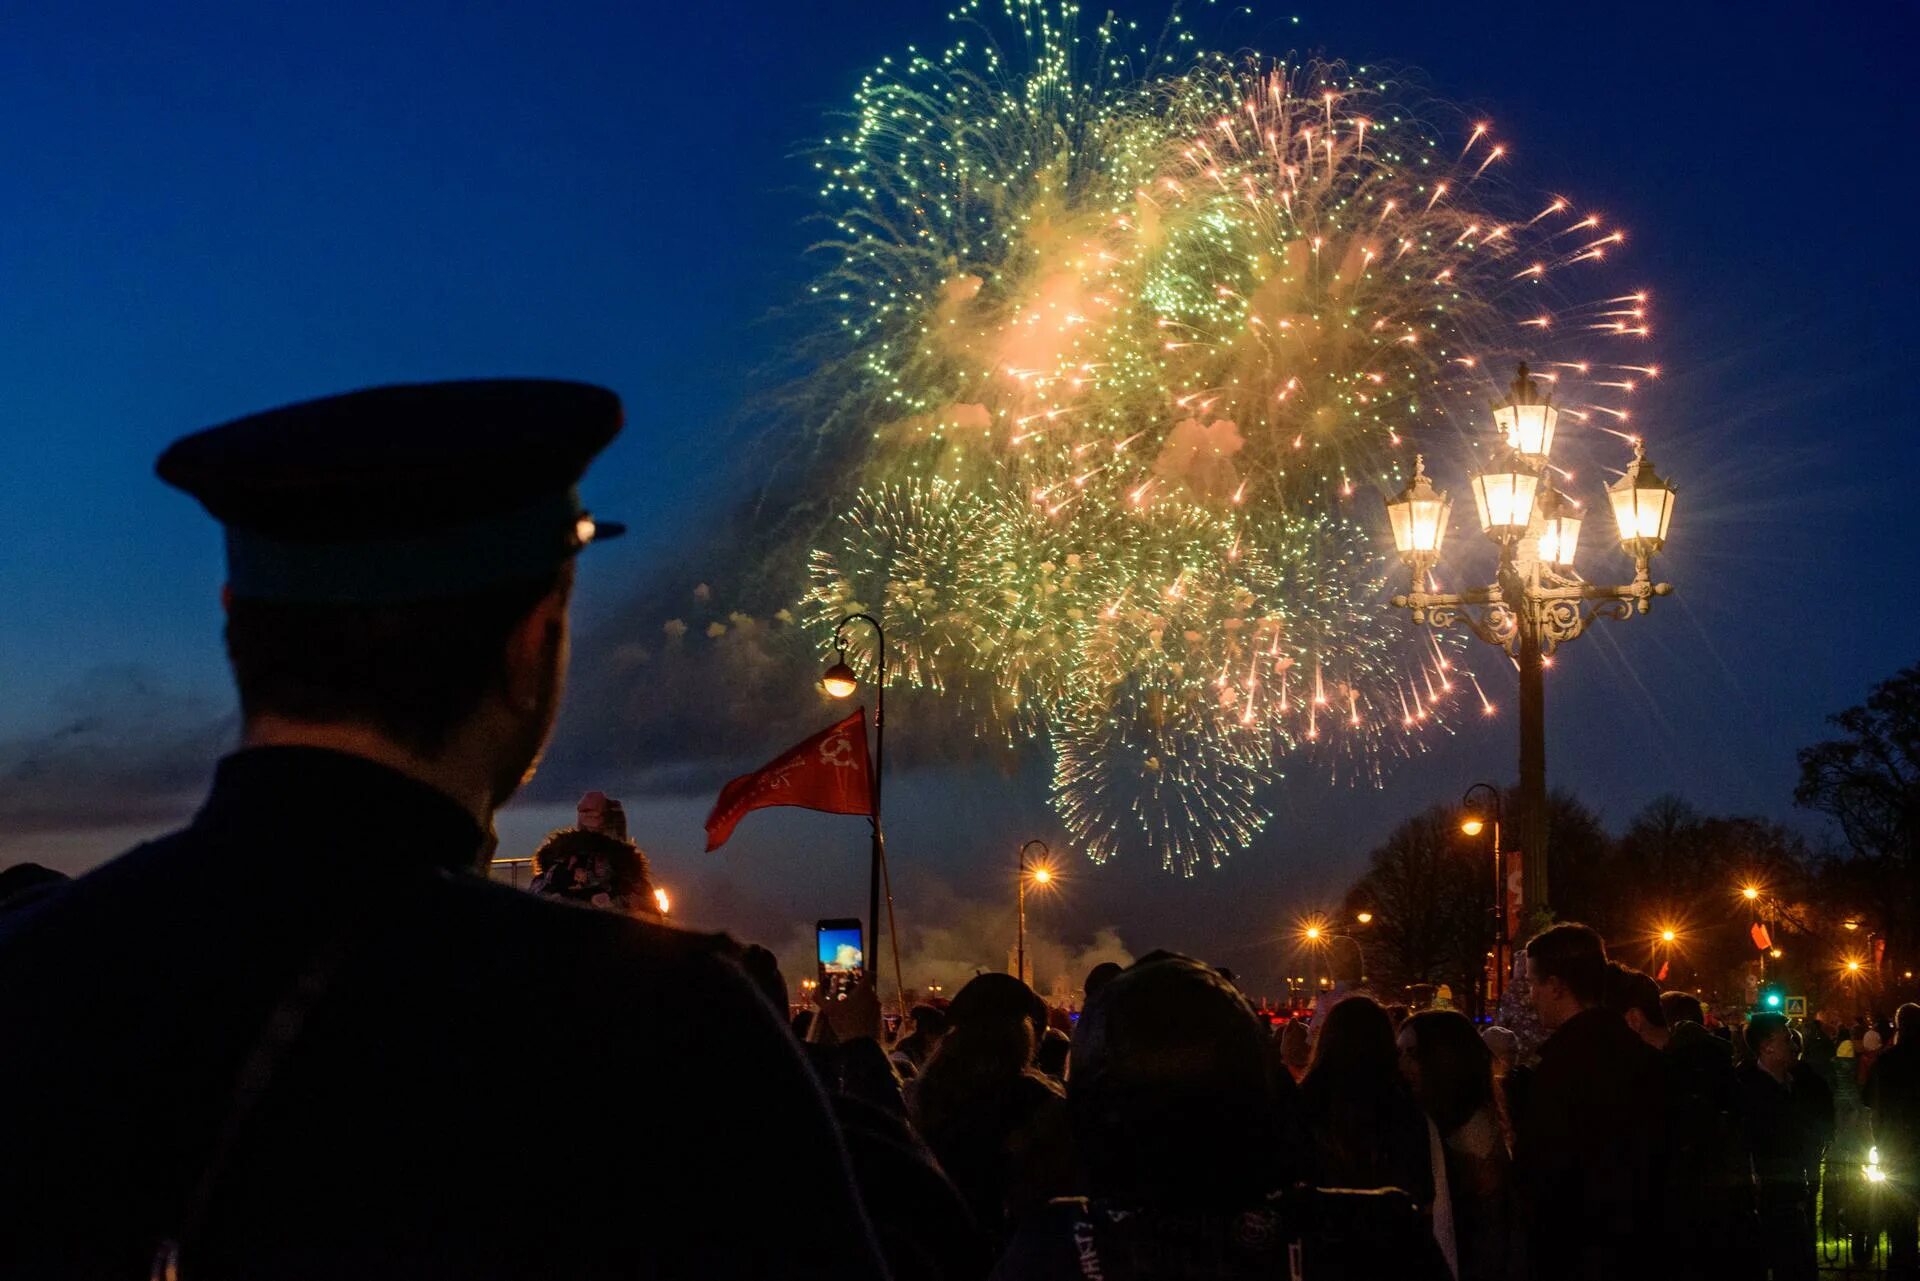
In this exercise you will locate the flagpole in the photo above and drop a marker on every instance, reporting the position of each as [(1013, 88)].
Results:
[(878, 854)]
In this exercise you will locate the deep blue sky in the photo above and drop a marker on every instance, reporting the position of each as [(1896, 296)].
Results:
[(210, 209)]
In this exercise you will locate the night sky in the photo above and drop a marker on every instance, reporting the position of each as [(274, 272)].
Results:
[(213, 209)]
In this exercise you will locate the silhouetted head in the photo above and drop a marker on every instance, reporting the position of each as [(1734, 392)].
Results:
[(1170, 1097), (1449, 1067)]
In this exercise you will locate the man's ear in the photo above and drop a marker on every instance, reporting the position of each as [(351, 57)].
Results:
[(532, 649)]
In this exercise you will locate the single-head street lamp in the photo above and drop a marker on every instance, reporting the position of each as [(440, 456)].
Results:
[(1750, 892), (839, 679), (1038, 874), (1668, 936), (1482, 802), (1418, 517), (1526, 419), (1642, 506), (1365, 918), (1850, 924)]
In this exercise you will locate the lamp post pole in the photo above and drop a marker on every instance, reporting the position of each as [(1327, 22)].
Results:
[(1502, 935), (879, 845), (1536, 601), (1020, 943)]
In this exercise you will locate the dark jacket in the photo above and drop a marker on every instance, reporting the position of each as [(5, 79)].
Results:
[(1709, 1199), (1893, 1092), (1778, 1134), (378, 1064), (1589, 1152)]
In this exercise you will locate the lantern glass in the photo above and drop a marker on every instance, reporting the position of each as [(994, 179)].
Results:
[(1642, 506), (1418, 516), (1528, 429), (1560, 538), (1505, 500), (1419, 524)]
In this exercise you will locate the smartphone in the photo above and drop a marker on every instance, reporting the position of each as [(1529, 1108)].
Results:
[(843, 956)]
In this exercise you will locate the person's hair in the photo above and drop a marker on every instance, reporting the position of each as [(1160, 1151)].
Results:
[(1051, 1056), (413, 671), (993, 1028), (1682, 1007), (1170, 1098), (1098, 977), (1456, 1067), (1763, 1027), (930, 1021), (1355, 1069), (1906, 1020), (1575, 955), (1630, 989), (25, 881)]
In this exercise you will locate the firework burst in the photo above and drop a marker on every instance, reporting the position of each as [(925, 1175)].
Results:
[(1131, 348)]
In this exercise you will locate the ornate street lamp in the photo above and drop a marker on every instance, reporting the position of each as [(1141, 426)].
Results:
[(1535, 602), (840, 682)]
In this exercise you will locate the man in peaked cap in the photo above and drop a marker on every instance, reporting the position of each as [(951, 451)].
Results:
[(305, 1036)]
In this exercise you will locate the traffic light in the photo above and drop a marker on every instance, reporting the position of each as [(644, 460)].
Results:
[(1772, 997)]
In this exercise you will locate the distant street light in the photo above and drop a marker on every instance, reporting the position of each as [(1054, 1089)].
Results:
[(1365, 918), (1491, 805), (1536, 602), (1040, 874)]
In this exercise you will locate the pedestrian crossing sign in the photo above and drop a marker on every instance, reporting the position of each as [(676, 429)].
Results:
[(1796, 1007)]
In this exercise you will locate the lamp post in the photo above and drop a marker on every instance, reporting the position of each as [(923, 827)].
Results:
[(840, 682), (1536, 601), (1040, 875), (1319, 936), (1473, 824)]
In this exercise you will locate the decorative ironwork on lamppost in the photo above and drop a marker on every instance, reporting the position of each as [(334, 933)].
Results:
[(1537, 601)]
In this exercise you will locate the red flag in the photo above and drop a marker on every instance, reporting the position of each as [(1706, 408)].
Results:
[(1661, 977), (826, 772), (1761, 939)]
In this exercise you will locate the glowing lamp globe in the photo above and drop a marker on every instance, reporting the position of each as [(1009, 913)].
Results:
[(1504, 496), (1473, 826), (1642, 506), (839, 680), (1559, 527), (1527, 421), (1418, 516), (1041, 876), (1667, 936)]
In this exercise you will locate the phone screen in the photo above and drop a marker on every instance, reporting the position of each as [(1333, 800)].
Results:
[(843, 959)]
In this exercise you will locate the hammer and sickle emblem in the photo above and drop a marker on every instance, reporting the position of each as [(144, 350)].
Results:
[(837, 751)]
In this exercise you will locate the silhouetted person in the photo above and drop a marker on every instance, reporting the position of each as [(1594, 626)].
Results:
[(1451, 1071), (1709, 1223), (1892, 1094), (1367, 1130), (1781, 1147), (1589, 1150), (305, 1036), (995, 1121), (1098, 977), (24, 883), (1185, 1139), (929, 1025)]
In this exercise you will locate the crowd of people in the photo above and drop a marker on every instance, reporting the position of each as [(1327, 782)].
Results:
[(1145, 1135), (306, 1037)]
